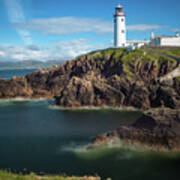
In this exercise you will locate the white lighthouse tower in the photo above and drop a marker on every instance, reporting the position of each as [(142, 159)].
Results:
[(119, 27)]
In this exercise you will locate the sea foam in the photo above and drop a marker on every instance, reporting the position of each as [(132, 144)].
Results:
[(91, 108), (75, 148)]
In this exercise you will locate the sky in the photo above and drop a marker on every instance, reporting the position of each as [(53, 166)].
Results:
[(64, 29)]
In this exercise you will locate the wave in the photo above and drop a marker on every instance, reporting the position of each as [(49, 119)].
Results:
[(119, 151), (92, 108), (75, 148), (85, 148), (82, 151), (11, 101)]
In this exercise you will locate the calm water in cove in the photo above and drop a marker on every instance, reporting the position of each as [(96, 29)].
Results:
[(35, 136)]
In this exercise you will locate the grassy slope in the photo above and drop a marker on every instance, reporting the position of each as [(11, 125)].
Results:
[(173, 52), (178, 78), (128, 58), (8, 176)]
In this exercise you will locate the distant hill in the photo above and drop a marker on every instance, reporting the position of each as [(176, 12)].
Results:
[(29, 64)]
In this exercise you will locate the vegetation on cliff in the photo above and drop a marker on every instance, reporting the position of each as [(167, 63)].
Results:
[(173, 51)]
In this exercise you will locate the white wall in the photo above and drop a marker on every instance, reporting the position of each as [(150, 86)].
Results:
[(165, 41), (174, 41), (120, 31)]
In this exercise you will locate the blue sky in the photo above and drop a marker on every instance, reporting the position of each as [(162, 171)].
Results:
[(64, 29)]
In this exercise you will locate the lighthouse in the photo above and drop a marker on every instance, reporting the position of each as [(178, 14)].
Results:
[(119, 27)]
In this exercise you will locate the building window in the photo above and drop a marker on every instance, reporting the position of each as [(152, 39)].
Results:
[(123, 31), (122, 20)]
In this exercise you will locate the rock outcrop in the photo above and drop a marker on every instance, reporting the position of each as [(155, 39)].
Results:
[(112, 77), (16, 87), (156, 130)]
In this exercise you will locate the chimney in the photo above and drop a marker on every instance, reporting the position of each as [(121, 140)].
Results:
[(177, 34)]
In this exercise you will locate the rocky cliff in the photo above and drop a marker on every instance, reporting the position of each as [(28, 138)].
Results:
[(111, 77)]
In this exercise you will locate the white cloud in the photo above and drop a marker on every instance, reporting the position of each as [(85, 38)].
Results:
[(60, 50), (72, 25), (66, 25), (76, 47), (16, 15), (145, 27), (2, 54)]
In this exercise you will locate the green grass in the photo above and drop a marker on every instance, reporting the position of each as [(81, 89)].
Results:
[(102, 53), (9, 176), (173, 52), (128, 59), (178, 78)]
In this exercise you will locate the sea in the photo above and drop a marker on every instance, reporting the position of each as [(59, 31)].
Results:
[(37, 137)]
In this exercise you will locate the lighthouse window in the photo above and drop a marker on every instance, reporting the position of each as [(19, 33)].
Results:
[(123, 31), (122, 20)]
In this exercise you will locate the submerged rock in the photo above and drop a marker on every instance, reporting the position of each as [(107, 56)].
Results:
[(156, 130)]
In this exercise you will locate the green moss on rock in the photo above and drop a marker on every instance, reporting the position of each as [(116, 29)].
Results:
[(178, 78)]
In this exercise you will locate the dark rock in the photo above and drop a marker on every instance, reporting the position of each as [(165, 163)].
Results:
[(156, 130)]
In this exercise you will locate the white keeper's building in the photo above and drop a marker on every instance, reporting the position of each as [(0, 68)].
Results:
[(165, 40)]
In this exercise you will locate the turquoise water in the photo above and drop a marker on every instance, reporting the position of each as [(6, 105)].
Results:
[(35, 137)]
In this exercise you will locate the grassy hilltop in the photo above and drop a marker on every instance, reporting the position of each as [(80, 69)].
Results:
[(129, 58), (173, 51)]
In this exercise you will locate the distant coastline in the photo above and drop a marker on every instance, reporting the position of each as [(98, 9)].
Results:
[(29, 64)]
